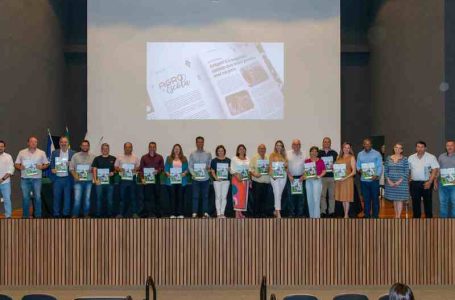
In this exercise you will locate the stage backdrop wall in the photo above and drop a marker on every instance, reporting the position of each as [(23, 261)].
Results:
[(32, 76), (137, 48)]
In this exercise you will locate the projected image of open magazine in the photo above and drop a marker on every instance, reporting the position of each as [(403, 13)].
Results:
[(215, 80)]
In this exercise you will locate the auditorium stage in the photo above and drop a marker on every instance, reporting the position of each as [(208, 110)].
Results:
[(323, 293), (226, 252)]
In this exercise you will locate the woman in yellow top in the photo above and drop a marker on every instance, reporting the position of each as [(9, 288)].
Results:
[(278, 165)]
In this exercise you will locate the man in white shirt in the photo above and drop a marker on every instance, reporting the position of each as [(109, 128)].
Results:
[(6, 171), (424, 169), (127, 166), (296, 167), (31, 161)]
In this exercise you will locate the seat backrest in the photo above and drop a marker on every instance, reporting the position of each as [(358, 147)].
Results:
[(38, 297), (300, 297), (385, 297), (103, 298), (350, 297), (5, 297)]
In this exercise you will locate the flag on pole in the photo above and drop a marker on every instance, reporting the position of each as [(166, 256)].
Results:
[(67, 135), (49, 149)]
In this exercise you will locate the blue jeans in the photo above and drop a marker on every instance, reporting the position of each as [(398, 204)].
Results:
[(446, 201), (313, 192), (200, 187), (29, 185), (82, 191), (370, 193), (125, 187), (105, 191), (297, 204), (62, 187), (5, 191)]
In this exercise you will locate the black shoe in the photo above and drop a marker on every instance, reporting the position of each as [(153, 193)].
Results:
[(323, 215)]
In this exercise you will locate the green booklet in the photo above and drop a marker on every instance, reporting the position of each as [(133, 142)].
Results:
[(61, 165), (200, 171), (103, 175), (368, 170), (296, 187), (149, 175), (83, 172), (310, 170), (263, 166), (278, 169), (176, 175), (448, 177), (328, 162), (339, 171), (128, 171), (30, 167), (222, 170), (243, 171)]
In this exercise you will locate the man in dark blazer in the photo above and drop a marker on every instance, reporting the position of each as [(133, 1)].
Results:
[(62, 181)]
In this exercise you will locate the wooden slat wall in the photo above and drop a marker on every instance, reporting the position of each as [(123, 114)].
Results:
[(213, 252)]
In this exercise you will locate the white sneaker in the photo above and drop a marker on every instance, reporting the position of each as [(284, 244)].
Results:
[(180, 217), (206, 215), (172, 217), (194, 215)]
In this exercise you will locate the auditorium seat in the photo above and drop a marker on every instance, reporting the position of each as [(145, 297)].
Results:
[(104, 298), (5, 297), (350, 297), (385, 297), (300, 297), (38, 297)]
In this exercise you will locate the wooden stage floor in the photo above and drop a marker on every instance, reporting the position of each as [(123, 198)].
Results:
[(386, 211)]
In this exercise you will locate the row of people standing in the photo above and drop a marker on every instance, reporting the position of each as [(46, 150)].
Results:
[(310, 192)]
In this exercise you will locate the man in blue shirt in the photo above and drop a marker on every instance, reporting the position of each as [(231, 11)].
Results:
[(369, 165)]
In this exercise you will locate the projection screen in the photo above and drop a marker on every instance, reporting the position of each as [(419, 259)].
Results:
[(233, 71)]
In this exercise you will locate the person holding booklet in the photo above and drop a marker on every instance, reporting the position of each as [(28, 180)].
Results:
[(150, 168), (259, 170), (369, 165), (277, 170), (329, 156), (344, 170), (314, 171), (296, 169), (396, 177), (61, 180), (6, 171), (240, 165), (80, 168), (176, 170), (424, 171), (103, 169), (199, 165), (127, 166), (219, 168), (31, 161), (447, 182)]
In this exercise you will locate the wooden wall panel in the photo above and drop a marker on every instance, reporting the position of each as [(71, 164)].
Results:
[(215, 252)]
